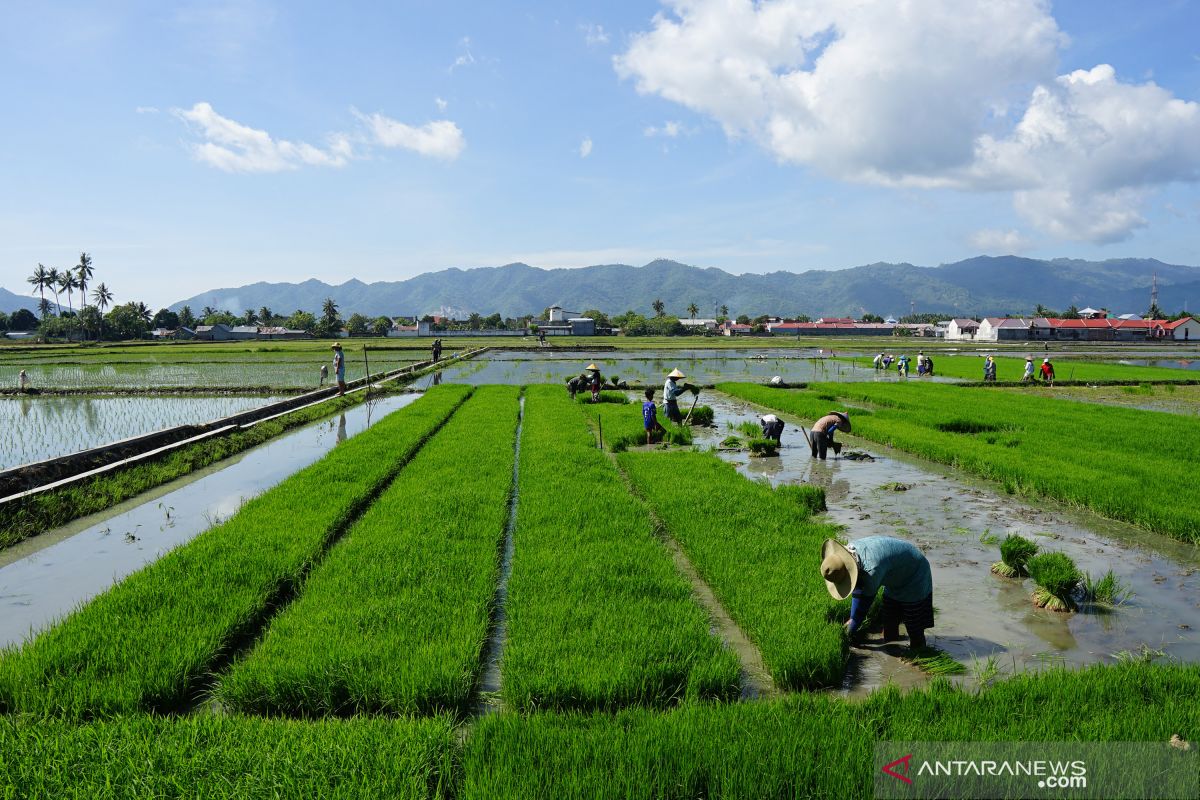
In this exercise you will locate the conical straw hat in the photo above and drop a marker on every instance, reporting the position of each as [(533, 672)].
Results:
[(675, 373), (592, 367), (839, 569)]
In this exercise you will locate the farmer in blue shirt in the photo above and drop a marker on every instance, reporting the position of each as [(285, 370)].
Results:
[(858, 570), (339, 368), (650, 417)]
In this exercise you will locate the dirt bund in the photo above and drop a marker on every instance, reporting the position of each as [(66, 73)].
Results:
[(29, 477)]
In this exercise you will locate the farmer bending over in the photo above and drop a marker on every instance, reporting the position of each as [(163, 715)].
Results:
[(650, 417), (859, 569), (823, 430), (1047, 371), (772, 427)]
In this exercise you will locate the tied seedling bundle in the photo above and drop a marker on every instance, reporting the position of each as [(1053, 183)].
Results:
[(1015, 552), (1057, 580)]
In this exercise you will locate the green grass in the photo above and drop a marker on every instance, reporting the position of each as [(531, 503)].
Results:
[(598, 616), (1015, 552), (759, 551), (395, 618), (151, 641), (606, 396), (223, 757), (1121, 463), (1057, 579), (809, 745), (623, 426)]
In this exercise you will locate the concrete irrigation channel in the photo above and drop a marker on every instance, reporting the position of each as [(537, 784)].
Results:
[(957, 521)]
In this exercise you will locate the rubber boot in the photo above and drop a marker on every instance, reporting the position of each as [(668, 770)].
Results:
[(891, 632)]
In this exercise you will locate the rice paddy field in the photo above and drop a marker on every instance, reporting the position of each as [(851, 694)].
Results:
[(655, 613)]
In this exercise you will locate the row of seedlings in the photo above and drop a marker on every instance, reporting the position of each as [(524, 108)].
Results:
[(817, 745), (395, 618), (234, 757), (1033, 446), (620, 423), (152, 641), (760, 552), (598, 616)]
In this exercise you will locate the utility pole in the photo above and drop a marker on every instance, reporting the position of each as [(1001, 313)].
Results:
[(1154, 290)]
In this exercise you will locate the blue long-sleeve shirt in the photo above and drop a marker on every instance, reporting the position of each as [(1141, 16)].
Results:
[(893, 564)]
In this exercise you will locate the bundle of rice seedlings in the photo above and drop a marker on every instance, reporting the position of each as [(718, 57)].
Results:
[(731, 441), (763, 447), (1057, 580), (701, 416), (935, 661), (1015, 551), (1108, 591)]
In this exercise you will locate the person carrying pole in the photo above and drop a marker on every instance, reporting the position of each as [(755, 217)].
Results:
[(339, 368), (860, 569), (671, 391), (823, 430), (772, 427)]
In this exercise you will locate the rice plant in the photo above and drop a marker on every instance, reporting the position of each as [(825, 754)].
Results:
[(935, 661), (1015, 552), (151, 641), (1108, 591), (371, 632), (763, 447), (1057, 579)]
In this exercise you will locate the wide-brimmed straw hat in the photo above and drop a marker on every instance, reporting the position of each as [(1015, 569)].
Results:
[(675, 373), (843, 414), (336, 346), (592, 367), (839, 569)]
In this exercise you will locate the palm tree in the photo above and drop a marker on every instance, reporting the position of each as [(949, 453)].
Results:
[(725, 311), (143, 311), (40, 280), (68, 283), (52, 285), (83, 271), (265, 315), (44, 307), (250, 317), (102, 296), (693, 310), (329, 309), (207, 311), (659, 307)]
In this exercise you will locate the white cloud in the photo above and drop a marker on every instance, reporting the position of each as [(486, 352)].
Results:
[(585, 147), (669, 129), (925, 94), (234, 147), (465, 57), (594, 34), (146, 110), (440, 139), (997, 242), (440, 103)]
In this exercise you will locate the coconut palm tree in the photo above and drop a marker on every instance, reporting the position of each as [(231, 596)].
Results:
[(44, 307), (693, 310), (265, 315), (52, 285), (83, 273), (659, 307), (40, 280), (725, 311), (143, 312), (102, 296), (68, 283), (250, 317)]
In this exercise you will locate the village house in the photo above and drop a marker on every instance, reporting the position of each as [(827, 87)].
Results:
[(962, 329)]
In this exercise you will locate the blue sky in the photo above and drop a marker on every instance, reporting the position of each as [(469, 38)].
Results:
[(190, 146)]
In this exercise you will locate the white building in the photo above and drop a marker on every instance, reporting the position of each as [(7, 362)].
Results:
[(962, 329), (560, 315), (697, 324)]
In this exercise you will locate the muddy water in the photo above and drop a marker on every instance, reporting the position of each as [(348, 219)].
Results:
[(983, 619), (43, 578)]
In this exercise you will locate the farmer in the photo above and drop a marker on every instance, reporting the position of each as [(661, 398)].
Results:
[(928, 366), (1028, 376), (989, 370), (902, 365), (1047, 371), (575, 385), (324, 374), (859, 569), (594, 381), (772, 427), (878, 361), (339, 368), (823, 430), (671, 391), (23, 381), (437, 350), (920, 362), (650, 417)]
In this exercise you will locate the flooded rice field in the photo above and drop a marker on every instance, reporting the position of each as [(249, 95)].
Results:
[(38, 427), (43, 578), (1168, 398), (651, 366), (987, 622), (285, 374)]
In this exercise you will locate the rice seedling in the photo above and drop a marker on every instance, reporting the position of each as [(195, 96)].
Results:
[(152, 640), (747, 428), (226, 757), (617, 398), (1057, 579), (395, 616), (623, 427), (759, 550), (701, 416), (1108, 591), (1069, 459), (810, 745), (763, 447), (935, 661), (1015, 552), (598, 616), (805, 495), (731, 442), (988, 538)]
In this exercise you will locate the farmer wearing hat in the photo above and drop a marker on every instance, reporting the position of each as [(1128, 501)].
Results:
[(1047, 371), (859, 569), (1028, 376), (823, 430), (339, 368), (671, 391), (595, 381)]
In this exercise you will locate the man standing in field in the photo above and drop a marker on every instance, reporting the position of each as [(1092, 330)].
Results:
[(339, 368), (1028, 376), (989, 370), (823, 430), (671, 392), (650, 417), (860, 569)]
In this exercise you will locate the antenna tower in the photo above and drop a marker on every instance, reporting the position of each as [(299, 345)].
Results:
[(1154, 290)]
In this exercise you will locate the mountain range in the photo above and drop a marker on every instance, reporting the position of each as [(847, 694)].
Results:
[(10, 301), (983, 285)]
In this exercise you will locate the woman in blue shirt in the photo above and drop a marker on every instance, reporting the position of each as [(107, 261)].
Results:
[(858, 570)]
